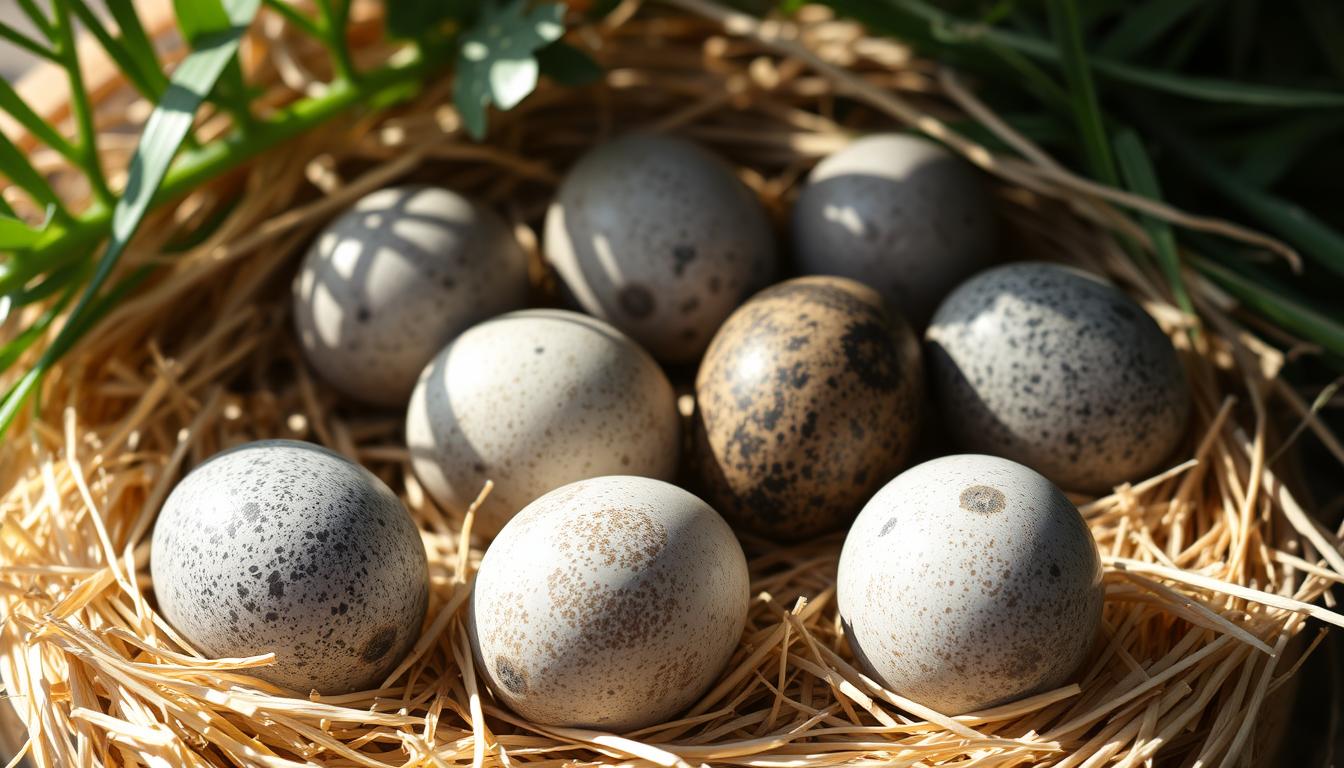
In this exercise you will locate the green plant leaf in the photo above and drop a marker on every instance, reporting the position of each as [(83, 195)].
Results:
[(1082, 92), (164, 133), (150, 82), (568, 65), (1141, 179), (496, 60), (1140, 27), (924, 23), (16, 233), (1273, 302)]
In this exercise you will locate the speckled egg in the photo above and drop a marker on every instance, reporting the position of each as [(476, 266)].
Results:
[(899, 213), (1054, 368), (657, 236), (808, 401), (287, 547), (610, 603), (533, 400), (392, 280), (969, 581)]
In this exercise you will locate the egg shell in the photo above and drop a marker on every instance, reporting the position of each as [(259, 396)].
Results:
[(389, 282), (286, 547), (808, 401), (969, 581), (899, 213), (533, 400), (1052, 367), (657, 236), (610, 603)]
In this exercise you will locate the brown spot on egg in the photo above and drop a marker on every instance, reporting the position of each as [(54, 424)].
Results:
[(636, 301), (378, 645), (982, 500)]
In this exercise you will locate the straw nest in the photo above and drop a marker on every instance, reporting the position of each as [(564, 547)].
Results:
[(1212, 567)]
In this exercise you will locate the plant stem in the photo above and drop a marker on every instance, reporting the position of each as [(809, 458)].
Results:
[(65, 244), (334, 14), (79, 105), (38, 18), (295, 17)]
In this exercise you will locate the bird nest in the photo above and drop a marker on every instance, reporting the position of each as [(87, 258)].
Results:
[(1212, 569)]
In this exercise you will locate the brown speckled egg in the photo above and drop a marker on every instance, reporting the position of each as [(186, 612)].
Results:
[(970, 581), (899, 213), (808, 401), (609, 603), (533, 400), (396, 277), (1052, 367), (657, 236)]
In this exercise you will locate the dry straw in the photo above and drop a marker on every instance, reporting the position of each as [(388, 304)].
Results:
[(1213, 570)]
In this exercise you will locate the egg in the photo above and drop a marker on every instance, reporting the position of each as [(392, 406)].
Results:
[(808, 401), (969, 581), (657, 236), (393, 279), (533, 400), (284, 547), (1052, 367), (899, 213), (611, 603)]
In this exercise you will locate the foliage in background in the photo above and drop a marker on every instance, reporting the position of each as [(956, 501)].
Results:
[(499, 48)]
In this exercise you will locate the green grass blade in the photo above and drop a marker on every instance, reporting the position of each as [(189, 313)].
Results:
[(1285, 310), (17, 108), (921, 22), (164, 133), (138, 43), (1325, 23), (1271, 153), (1314, 238), (25, 42), (15, 166), (1082, 92), (1140, 178), (1141, 27), (129, 65)]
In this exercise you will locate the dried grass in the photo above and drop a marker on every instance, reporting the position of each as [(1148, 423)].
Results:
[(1212, 568)]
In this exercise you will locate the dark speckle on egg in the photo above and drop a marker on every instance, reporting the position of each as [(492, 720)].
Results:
[(323, 567), (808, 401), (1052, 367)]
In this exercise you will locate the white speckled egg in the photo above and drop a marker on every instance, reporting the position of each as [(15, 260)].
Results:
[(970, 581), (657, 236), (287, 547), (899, 213), (533, 400), (392, 280), (1054, 368), (610, 603)]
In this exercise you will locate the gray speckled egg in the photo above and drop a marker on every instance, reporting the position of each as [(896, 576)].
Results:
[(1054, 368), (286, 547), (808, 401), (656, 236), (533, 400), (392, 280), (899, 213), (969, 581), (609, 603)]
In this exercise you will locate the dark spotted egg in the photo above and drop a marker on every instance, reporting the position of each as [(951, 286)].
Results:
[(1054, 368), (808, 401), (657, 236), (969, 581), (285, 547), (611, 603)]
